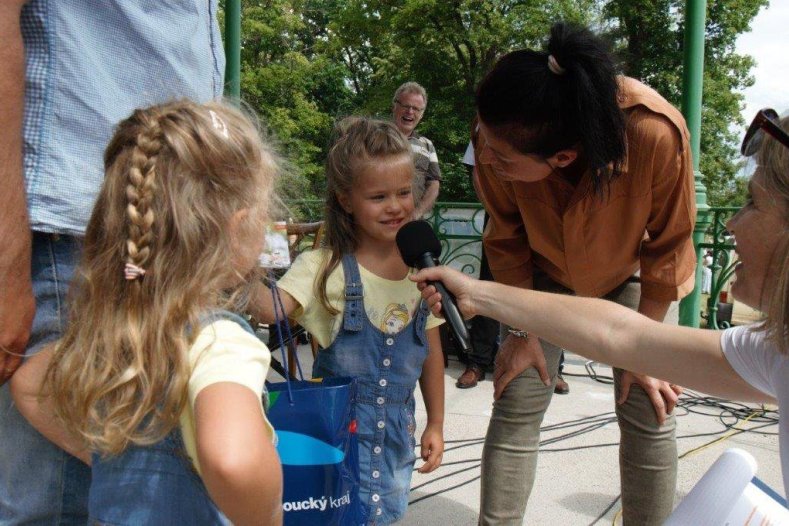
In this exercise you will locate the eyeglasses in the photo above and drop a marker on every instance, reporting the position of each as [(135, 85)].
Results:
[(407, 107), (765, 121)]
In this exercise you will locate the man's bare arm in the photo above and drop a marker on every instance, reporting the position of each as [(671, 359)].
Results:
[(17, 304), (428, 199)]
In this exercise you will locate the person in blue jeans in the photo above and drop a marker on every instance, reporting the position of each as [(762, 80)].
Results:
[(71, 71), (355, 298), (156, 386)]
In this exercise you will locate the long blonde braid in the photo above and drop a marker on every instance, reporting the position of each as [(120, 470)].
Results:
[(140, 192)]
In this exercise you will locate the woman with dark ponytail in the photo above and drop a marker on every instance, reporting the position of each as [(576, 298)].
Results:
[(588, 181)]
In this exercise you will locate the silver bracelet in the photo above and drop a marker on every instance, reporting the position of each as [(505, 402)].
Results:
[(518, 333)]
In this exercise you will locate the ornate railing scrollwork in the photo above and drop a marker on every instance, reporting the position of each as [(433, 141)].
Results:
[(459, 227), (723, 261)]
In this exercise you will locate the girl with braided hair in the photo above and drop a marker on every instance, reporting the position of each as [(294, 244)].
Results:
[(154, 383)]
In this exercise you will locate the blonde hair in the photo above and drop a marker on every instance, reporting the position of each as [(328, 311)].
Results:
[(357, 142), (177, 174), (773, 157)]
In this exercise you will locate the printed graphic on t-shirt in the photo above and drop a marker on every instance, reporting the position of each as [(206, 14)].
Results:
[(396, 316)]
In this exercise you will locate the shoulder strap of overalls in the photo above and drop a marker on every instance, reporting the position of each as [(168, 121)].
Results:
[(354, 292), (221, 314)]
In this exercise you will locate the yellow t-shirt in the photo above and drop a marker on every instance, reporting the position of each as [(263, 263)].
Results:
[(223, 352), (389, 304)]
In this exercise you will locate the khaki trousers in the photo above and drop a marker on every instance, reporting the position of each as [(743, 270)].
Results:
[(647, 451)]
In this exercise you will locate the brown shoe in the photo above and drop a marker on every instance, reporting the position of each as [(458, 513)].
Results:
[(470, 377), (561, 386)]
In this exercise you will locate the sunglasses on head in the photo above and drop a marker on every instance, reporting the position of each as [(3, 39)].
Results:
[(765, 121)]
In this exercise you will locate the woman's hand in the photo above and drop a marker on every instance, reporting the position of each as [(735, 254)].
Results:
[(663, 395), (457, 283), (515, 356), (432, 447)]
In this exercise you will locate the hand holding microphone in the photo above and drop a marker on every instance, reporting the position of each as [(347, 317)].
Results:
[(457, 284), (419, 247)]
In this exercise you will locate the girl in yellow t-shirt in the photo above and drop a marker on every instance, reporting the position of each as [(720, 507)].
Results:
[(356, 299)]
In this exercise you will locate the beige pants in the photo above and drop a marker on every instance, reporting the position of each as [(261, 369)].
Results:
[(647, 451)]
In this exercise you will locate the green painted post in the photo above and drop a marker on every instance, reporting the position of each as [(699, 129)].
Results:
[(692, 83), (233, 49)]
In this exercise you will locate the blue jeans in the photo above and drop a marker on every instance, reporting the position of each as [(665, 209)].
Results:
[(153, 484), (39, 483)]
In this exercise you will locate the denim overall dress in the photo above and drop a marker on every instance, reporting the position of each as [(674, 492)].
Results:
[(156, 484), (387, 367)]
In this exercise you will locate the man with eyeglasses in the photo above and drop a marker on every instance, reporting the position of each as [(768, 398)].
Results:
[(408, 107)]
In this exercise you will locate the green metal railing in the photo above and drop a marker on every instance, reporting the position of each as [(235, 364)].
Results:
[(459, 228), (233, 49), (723, 261), (457, 225), (692, 84)]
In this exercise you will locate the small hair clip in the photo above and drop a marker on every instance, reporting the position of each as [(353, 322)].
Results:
[(132, 271), (554, 66), (219, 124)]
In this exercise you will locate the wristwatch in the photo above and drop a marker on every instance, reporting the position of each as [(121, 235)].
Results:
[(517, 332)]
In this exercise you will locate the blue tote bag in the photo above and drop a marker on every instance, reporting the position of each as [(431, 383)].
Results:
[(317, 444)]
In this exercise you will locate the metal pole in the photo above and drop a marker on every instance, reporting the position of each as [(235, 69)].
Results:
[(233, 49), (692, 83)]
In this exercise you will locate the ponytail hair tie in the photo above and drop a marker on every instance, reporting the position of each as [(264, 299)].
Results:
[(554, 66), (132, 271)]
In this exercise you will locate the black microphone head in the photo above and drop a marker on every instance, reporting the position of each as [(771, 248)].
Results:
[(415, 239)]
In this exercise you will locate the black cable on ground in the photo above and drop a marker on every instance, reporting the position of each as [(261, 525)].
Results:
[(728, 413), (446, 476), (606, 510), (423, 497)]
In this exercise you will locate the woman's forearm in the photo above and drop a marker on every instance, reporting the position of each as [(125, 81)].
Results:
[(610, 333), (592, 327)]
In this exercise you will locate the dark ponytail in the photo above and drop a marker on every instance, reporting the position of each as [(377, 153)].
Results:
[(572, 103)]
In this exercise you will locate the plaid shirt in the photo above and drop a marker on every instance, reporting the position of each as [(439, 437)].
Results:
[(89, 64), (425, 158)]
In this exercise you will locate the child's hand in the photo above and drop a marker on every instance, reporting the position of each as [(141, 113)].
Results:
[(432, 447)]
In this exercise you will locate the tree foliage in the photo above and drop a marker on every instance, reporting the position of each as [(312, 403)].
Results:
[(306, 63), (649, 37)]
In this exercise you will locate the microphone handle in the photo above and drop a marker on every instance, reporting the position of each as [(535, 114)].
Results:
[(448, 306), (453, 317)]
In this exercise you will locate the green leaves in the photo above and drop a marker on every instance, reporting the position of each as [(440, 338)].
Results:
[(649, 37), (306, 63)]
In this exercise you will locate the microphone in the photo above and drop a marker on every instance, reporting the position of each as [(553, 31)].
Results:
[(419, 247)]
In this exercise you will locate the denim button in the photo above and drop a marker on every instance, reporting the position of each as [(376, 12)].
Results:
[(390, 341), (381, 424), (376, 498), (380, 400), (387, 362), (382, 382), (376, 474), (377, 450), (379, 511)]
